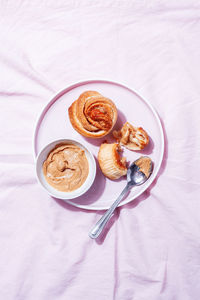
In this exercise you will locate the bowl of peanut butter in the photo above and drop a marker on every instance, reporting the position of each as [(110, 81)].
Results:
[(65, 168)]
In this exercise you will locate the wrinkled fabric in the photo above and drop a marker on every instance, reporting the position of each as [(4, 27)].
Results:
[(151, 248)]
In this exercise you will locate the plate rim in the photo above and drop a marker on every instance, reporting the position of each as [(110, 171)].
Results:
[(73, 85)]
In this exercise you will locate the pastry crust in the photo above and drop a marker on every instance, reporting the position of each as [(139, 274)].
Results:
[(111, 164), (133, 138), (92, 114)]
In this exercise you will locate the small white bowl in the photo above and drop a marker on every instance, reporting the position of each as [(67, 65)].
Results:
[(52, 191)]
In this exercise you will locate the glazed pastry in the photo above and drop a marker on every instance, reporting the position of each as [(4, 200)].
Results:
[(112, 165), (93, 115), (133, 138)]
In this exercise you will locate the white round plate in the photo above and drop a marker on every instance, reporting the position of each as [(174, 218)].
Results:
[(54, 124)]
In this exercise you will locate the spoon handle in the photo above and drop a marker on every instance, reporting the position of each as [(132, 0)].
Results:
[(97, 229)]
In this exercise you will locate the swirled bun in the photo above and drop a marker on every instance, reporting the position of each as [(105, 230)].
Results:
[(92, 114)]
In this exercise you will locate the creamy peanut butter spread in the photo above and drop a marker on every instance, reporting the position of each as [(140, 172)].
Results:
[(66, 167), (144, 164)]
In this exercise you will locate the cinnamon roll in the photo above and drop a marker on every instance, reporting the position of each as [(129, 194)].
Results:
[(112, 165), (92, 114), (133, 138)]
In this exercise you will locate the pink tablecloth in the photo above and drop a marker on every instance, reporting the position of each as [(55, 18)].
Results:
[(152, 248)]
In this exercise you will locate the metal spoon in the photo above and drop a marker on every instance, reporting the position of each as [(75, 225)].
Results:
[(134, 177)]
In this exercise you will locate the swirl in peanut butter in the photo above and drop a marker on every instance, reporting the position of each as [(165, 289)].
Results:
[(66, 167)]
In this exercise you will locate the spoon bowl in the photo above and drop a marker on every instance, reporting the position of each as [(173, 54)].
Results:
[(135, 176)]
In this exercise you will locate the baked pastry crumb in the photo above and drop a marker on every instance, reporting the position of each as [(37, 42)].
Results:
[(133, 138)]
